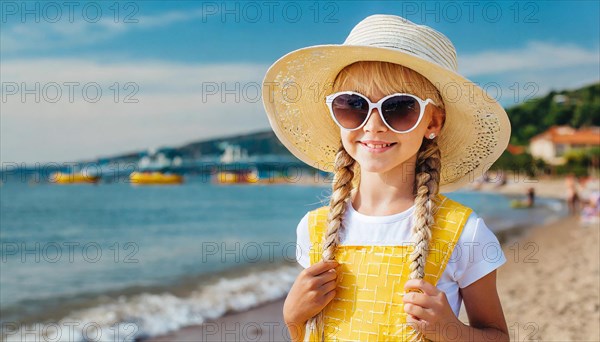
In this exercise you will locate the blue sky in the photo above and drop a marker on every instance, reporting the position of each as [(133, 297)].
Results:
[(160, 53)]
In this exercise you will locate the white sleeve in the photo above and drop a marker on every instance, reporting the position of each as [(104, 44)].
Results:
[(477, 253), (303, 242)]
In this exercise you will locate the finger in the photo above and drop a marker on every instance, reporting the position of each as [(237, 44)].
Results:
[(326, 276), (321, 266), (330, 295), (414, 310), (328, 286), (422, 285), (417, 298)]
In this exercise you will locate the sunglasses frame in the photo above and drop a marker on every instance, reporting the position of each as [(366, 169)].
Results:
[(422, 104)]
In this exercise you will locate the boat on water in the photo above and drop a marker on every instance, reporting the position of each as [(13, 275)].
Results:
[(73, 178), (153, 168), (234, 154), (247, 177), (229, 177), (154, 177)]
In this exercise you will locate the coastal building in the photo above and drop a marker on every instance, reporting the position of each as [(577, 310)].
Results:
[(552, 144), (515, 149)]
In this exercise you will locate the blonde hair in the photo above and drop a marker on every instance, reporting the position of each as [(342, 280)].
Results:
[(386, 78)]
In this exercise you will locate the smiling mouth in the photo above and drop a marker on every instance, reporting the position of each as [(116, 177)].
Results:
[(377, 146)]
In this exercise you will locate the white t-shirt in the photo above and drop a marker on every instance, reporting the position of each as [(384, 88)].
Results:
[(476, 254)]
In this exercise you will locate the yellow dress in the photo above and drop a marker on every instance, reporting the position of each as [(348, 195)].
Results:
[(368, 305)]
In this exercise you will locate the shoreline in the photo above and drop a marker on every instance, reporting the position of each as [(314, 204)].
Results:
[(535, 253), (545, 311)]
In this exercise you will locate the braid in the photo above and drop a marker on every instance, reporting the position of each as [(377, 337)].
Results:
[(341, 190), (425, 190)]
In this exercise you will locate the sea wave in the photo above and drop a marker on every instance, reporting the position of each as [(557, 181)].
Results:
[(146, 315)]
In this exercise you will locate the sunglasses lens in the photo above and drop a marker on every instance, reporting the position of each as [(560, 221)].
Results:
[(350, 110), (401, 112)]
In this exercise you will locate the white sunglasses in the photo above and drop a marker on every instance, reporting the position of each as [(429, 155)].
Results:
[(400, 112)]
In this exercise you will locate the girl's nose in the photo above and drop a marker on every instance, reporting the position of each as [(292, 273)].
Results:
[(375, 124)]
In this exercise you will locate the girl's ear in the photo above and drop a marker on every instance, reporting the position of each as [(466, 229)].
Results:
[(438, 117)]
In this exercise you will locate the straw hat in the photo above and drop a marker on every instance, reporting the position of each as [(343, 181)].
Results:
[(474, 135)]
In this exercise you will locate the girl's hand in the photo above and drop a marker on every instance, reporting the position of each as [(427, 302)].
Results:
[(312, 291), (429, 312)]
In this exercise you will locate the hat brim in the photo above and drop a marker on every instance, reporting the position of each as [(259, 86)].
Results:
[(475, 133)]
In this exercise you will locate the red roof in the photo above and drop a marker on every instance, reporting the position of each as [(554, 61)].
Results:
[(570, 135), (514, 149)]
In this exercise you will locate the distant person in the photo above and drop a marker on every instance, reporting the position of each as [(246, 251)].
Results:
[(572, 194), (530, 197), (590, 214)]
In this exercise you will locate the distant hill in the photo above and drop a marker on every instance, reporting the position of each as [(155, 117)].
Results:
[(577, 108), (257, 143)]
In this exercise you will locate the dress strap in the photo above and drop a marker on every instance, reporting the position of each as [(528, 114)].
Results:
[(450, 220), (317, 222)]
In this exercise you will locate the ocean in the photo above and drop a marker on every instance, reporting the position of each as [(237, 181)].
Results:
[(126, 262)]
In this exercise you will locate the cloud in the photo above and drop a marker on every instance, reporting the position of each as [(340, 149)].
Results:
[(516, 75), (172, 17), (73, 31), (534, 56), (60, 116)]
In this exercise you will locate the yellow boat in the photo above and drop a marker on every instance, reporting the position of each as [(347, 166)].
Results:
[(72, 178), (147, 178), (226, 177), (251, 177)]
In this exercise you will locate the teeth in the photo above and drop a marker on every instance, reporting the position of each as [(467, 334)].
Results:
[(377, 146)]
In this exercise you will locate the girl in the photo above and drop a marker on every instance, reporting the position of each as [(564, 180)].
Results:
[(390, 258)]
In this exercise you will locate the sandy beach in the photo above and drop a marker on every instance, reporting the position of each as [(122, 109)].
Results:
[(549, 287), (517, 185)]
